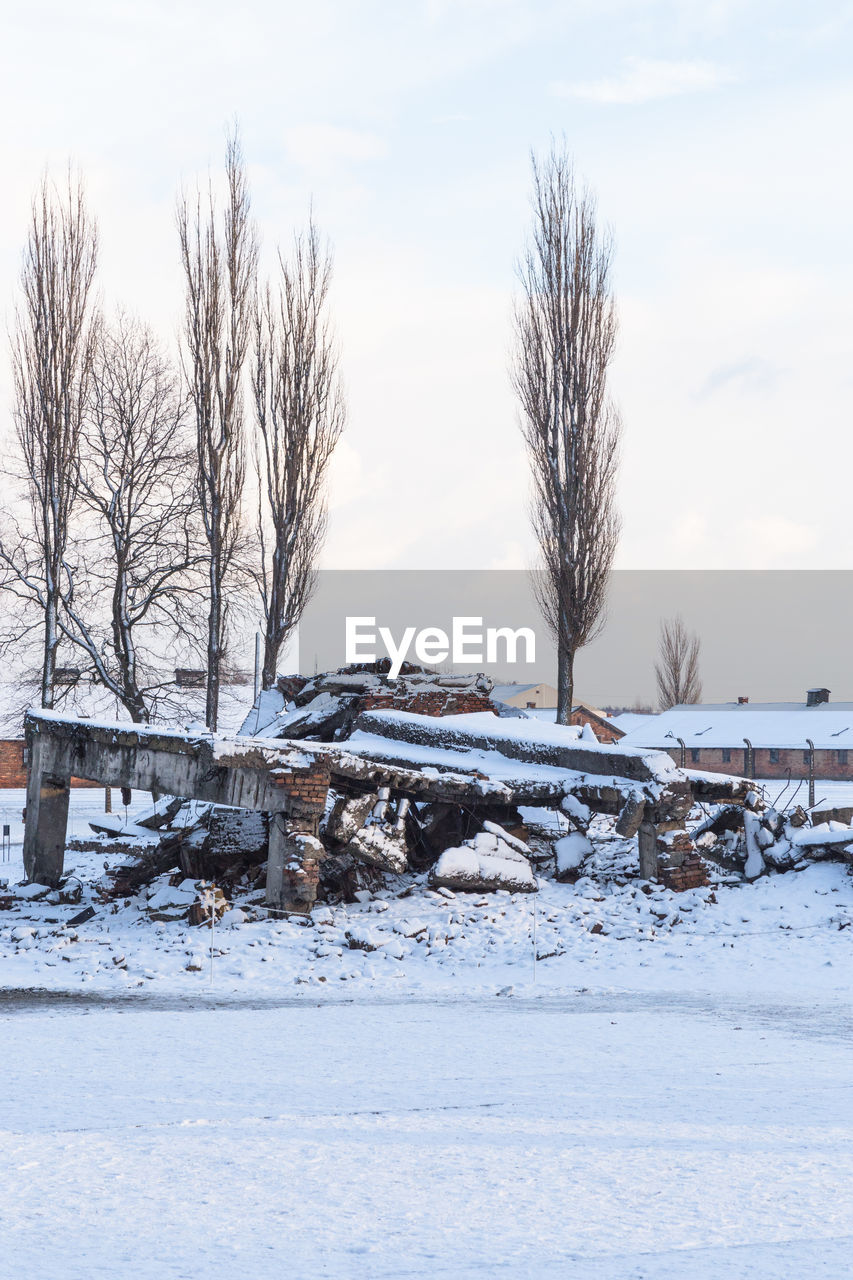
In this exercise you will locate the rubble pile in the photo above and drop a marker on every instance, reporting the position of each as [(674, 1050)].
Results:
[(351, 780), (765, 839), (493, 859), (326, 707)]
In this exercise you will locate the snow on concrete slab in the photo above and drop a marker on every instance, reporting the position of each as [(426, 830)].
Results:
[(497, 767), (499, 732), (491, 860)]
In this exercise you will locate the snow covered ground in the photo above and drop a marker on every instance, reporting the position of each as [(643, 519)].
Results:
[(590, 1081), (586, 1135)]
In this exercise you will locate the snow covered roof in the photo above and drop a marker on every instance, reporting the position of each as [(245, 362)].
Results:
[(501, 692), (765, 724), (630, 720), (592, 711)]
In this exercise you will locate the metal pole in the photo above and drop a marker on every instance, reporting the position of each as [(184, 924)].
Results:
[(750, 759), (212, 891), (683, 746), (811, 772)]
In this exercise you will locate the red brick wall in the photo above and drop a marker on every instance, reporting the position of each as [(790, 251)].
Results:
[(791, 759), (307, 788), (12, 770), (433, 703)]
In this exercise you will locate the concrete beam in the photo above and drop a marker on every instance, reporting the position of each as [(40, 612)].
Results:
[(638, 765), (277, 779)]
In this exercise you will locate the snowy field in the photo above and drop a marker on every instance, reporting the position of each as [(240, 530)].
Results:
[(587, 1135), (590, 1082)]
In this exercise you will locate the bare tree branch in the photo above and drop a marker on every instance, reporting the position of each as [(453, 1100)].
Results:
[(565, 330), (299, 416), (136, 579), (219, 271), (51, 359), (677, 668)]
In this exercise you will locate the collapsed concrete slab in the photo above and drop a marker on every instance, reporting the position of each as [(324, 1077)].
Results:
[(281, 780), (425, 768)]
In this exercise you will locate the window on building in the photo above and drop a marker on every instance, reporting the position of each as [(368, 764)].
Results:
[(805, 757), (774, 757), (190, 678), (727, 755), (25, 756), (531, 705), (841, 757), (694, 755)]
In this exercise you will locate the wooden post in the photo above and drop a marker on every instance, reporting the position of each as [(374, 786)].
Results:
[(647, 843), (47, 821)]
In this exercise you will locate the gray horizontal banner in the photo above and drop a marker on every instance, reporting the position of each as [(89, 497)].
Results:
[(766, 635)]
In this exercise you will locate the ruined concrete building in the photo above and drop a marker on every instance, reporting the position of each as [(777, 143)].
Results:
[(358, 776)]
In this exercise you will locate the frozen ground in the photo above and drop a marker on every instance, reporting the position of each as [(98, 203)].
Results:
[(590, 1136), (590, 1082)]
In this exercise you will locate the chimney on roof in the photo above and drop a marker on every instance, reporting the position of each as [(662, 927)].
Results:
[(742, 701), (814, 697)]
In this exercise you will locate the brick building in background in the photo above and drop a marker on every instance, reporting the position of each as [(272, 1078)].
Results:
[(754, 739), (540, 701)]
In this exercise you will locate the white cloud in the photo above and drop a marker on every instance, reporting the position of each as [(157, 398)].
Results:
[(323, 146), (647, 79), (751, 375), (774, 540)]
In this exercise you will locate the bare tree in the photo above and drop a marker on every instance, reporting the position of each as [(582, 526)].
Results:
[(219, 270), (565, 330), (133, 583), (677, 668), (51, 360), (299, 414)]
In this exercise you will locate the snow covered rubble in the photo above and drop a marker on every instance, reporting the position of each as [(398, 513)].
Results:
[(603, 927), (492, 859), (411, 933), (459, 805)]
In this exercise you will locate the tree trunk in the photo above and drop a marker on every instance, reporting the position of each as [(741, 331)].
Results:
[(268, 670), (51, 642), (565, 684), (213, 651), (272, 631)]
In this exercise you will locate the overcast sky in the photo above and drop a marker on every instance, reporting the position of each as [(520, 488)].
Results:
[(715, 134)]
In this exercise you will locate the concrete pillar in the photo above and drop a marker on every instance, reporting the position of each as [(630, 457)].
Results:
[(647, 842), (47, 820), (292, 866)]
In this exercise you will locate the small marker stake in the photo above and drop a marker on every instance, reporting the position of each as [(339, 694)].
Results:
[(212, 892)]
